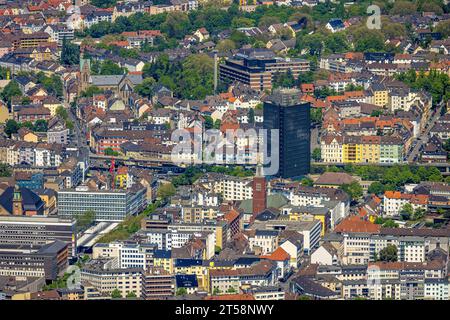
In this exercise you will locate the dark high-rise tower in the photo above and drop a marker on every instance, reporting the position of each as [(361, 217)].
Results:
[(284, 111)]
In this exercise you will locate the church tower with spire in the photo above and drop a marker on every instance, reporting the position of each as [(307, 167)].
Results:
[(85, 74), (259, 191)]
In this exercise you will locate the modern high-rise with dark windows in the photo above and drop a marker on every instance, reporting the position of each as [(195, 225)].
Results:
[(286, 112)]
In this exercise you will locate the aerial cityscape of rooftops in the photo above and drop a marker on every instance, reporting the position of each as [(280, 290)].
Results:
[(224, 150)]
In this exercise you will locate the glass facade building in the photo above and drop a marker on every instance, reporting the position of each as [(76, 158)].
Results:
[(284, 111)]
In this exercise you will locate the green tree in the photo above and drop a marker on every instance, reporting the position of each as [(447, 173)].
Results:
[(389, 223), (40, 126), (209, 122), (62, 112), (239, 38), (225, 45), (166, 190), (432, 7), (131, 295), (376, 113), (316, 154), (104, 3), (388, 254), (403, 8), (115, 294), (5, 170), (177, 24), (444, 28), (393, 30), (316, 115), (110, 152), (368, 40), (267, 21), (444, 212), (231, 290), (196, 78), (52, 84), (26, 101), (108, 67), (4, 73), (242, 22), (84, 220), (181, 292), (336, 43), (354, 190), (69, 125), (217, 124), (305, 77), (447, 145), (145, 88), (11, 127), (70, 53), (314, 43), (91, 91), (418, 214), (406, 211), (307, 182), (376, 188), (284, 80), (10, 90)]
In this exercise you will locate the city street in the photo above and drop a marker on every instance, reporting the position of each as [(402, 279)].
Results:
[(422, 140)]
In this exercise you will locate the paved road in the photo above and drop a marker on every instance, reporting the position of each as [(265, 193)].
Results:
[(78, 139), (425, 135)]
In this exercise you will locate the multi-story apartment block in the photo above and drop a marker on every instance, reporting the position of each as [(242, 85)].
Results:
[(199, 214), (168, 239), (407, 280), (362, 149), (231, 188), (393, 202), (221, 229), (265, 240), (310, 230), (362, 241), (391, 149), (34, 154), (223, 281)]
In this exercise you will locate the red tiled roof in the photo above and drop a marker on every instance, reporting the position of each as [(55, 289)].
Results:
[(278, 255), (413, 198), (231, 215), (355, 224)]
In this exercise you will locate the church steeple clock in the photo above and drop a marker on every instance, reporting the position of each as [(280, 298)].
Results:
[(17, 202)]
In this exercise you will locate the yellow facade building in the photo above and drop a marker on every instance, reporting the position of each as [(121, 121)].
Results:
[(380, 95), (352, 149), (370, 149)]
